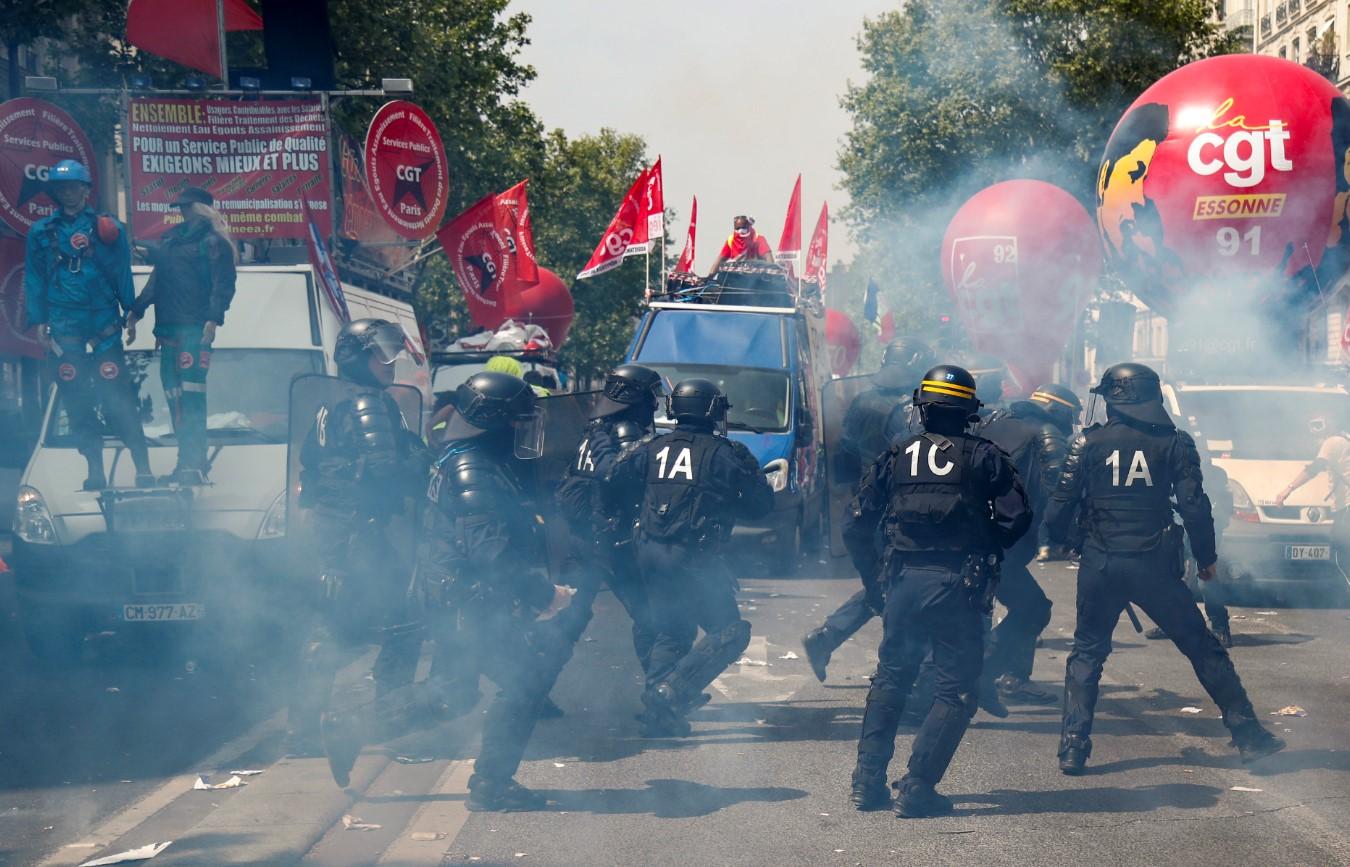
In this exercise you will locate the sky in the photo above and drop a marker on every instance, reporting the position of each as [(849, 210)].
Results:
[(736, 97)]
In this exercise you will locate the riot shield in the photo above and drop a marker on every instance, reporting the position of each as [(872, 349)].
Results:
[(565, 418), (314, 399), (843, 467)]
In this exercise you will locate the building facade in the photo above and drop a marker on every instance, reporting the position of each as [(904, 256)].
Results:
[(1310, 32)]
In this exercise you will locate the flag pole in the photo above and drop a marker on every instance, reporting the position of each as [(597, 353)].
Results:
[(224, 54), (647, 272)]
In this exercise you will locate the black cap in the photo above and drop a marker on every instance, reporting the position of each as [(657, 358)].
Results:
[(193, 195)]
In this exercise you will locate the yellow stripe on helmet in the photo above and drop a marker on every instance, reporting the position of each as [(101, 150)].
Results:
[(947, 388), (1045, 395), (934, 389)]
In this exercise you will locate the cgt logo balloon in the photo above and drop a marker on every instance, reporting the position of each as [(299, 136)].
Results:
[(1020, 260), (1234, 169)]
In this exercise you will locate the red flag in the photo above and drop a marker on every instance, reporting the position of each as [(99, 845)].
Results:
[(651, 219), (619, 235), (513, 221), (818, 254), (887, 328), (324, 272), (790, 242), (686, 263), (185, 31)]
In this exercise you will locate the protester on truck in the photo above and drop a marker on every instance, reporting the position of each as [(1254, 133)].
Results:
[(744, 244), (191, 287)]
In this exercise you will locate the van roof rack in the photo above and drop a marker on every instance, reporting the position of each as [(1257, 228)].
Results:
[(742, 284)]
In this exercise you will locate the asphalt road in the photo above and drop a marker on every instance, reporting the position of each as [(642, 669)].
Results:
[(762, 780)]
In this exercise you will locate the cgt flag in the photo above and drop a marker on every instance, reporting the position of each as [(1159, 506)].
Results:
[(322, 263), (790, 242), (185, 31), (651, 219), (513, 219), (818, 254), (491, 251), (640, 220), (686, 263)]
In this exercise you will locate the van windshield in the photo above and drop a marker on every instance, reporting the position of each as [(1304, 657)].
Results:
[(1265, 425), (760, 399), (247, 396)]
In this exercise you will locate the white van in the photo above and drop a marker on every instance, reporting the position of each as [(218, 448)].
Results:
[(211, 553)]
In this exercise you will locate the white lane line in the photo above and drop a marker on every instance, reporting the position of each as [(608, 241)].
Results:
[(756, 676), (147, 806), (441, 819)]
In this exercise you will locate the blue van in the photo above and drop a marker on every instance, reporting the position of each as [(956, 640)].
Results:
[(762, 341)]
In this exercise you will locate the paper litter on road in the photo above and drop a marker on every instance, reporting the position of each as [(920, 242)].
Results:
[(520, 854), (1291, 710), (1269, 613), (1191, 710), (144, 853), (789, 655), (745, 660), (428, 836), (1244, 789), (356, 823), (559, 764), (202, 785), (246, 773), (414, 760)]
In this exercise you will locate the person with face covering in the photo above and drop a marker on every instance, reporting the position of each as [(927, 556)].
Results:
[(191, 288), (744, 244)]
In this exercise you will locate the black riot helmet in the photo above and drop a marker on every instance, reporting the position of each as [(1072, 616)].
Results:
[(989, 374), (630, 387), (492, 402), (950, 388), (1060, 403), (901, 361), (697, 402), (362, 339), (1134, 391)]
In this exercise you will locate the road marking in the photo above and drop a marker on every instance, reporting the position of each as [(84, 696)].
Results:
[(143, 809), (753, 681), (439, 817)]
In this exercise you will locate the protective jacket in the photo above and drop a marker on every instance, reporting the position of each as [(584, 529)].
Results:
[(865, 428), (478, 542), (193, 280), (695, 485), (360, 457), (1120, 484), (1035, 443), (934, 494), (582, 494), (76, 276)]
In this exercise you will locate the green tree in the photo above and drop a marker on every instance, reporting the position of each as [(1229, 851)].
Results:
[(961, 94)]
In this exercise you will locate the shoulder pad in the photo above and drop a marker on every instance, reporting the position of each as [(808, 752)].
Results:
[(465, 470), (628, 432)]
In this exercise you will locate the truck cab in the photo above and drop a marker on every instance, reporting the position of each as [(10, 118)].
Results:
[(761, 339)]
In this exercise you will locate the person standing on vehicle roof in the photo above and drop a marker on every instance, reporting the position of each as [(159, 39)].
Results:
[(1119, 484), (1034, 433), (359, 465), (744, 244), (77, 280), (191, 288), (693, 484), (872, 421), (947, 503)]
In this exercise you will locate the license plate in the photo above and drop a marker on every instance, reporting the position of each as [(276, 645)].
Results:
[(1307, 552), (165, 611)]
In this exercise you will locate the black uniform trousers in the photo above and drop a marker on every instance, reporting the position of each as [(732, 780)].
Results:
[(1012, 644), (847, 619), (689, 587), (90, 381), (1149, 579), (926, 603)]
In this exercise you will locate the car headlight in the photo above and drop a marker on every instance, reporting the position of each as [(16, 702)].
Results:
[(32, 519), (776, 472), (274, 522), (1243, 507)]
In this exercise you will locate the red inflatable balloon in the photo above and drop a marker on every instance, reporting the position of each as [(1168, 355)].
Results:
[(842, 342), (547, 304), (1020, 259), (1234, 168)]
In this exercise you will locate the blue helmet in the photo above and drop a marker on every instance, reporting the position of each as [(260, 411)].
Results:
[(70, 170)]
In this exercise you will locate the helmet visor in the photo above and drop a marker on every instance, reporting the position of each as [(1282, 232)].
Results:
[(529, 435), (387, 343)]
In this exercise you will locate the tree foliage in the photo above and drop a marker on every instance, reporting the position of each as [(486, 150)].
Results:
[(961, 94)]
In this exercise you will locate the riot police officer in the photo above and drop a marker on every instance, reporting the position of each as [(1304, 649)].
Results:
[(77, 282), (873, 421), (602, 530), (948, 502), (359, 465), (989, 373), (1119, 483), (1034, 433), (693, 483), (480, 592)]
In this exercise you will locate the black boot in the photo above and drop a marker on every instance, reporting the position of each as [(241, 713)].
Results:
[(870, 791), (661, 719), (1015, 689), (96, 481), (504, 796), (342, 741), (818, 648), (919, 800), (1255, 742), (1073, 755), (989, 700), (1225, 637)]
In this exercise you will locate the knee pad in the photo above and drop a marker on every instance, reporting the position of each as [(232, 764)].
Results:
[(736, 638), (887, 696)]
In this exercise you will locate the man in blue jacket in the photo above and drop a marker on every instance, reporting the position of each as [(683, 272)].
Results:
[(77, 282)]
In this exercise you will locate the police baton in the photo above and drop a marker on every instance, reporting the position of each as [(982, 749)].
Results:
[(1134, 618)]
